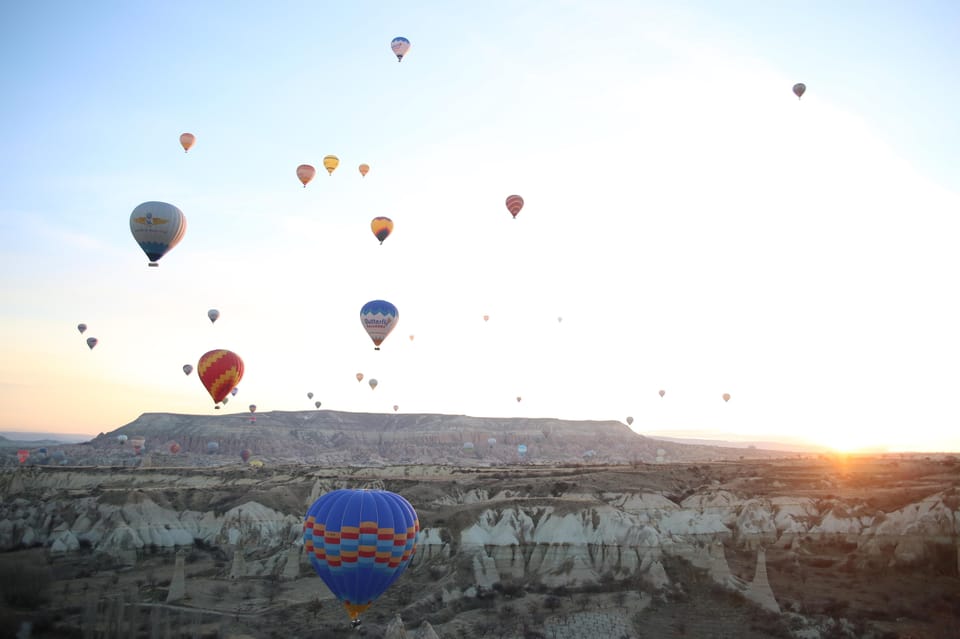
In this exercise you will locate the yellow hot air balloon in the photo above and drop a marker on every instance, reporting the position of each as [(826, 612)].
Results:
[(330, 163), (187, 140), (305, 173), (363, 169)]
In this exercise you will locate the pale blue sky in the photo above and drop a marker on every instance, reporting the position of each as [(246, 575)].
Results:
[(697, 227)]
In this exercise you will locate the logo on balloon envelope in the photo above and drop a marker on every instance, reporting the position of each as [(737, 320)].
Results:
[(359, 542), (157, 227), (378, 317)]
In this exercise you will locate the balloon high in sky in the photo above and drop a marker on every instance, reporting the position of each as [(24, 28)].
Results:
[(697, 227)]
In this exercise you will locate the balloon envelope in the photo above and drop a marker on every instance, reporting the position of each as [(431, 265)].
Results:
[(359, 542), (233, 393), (373, 383), (382, 227), (253, 408), (187, 369), (316, 404), (187, 141), (400, 46), (364, 169), (629, 421), (662, 393), (213, 447), (81, 328), (309, 395), (245, 455), (514, 204), (726, 397), (213, 314), (396, 408), (330, 163), (305, 173), (220, 371), (359, 377), (23, 455), (157, 227), (378, 318), (91, 342), (174, 448), (799, 89)]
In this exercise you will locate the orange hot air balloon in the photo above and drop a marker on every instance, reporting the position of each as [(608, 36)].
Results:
[(486, 318), (382, 227), (220, 371), (662, 393), (514, 204), (330, 163), (726, 397), (364, 168), (187, 140), (359, 377), (306, 173), (411, 338)]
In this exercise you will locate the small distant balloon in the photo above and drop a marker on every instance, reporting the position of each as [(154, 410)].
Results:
[(411, 338), (486, 318), (726, 397), (662, 393), (245, 455), (234, 391), (400, 46), (174, 448), (305, 173), (316, 404), (187, 140), (396, 408), (799, 89), (122, 439), (629, 421), (309, 395), (330, 163), (373, 384), (213, 447), (491, 442), (91, 342), (253, 408), (359, 377), (23, 455), (187, 369), (559, 320), (382, 227), (81, 328), (364, 169), (514, 204), (519, 398), (213, 314)]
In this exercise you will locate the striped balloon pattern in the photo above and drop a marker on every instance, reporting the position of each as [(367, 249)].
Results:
[(382, 227), (400, 46), (514, 204), (220, 371), (359, 542), (157, 227), (378, 318)]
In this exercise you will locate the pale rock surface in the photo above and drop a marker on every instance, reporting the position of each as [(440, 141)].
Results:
[(656, 576), (395, 629), (426, 631), (178, 582), (759, 591)]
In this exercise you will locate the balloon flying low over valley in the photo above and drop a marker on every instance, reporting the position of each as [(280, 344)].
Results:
[(710, 219)]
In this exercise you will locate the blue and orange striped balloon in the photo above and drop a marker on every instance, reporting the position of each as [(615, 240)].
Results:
[(359, 542)]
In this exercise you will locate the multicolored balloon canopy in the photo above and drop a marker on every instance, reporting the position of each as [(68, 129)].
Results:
[(157, 227), (514, 204), (382, 227), (400, 46), (359, 542), (220, 371), (378, 318)]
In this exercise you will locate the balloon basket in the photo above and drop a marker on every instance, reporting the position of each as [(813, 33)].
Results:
[(153, 264)]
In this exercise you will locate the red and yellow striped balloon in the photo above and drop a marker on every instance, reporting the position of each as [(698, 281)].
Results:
[(220, 371)]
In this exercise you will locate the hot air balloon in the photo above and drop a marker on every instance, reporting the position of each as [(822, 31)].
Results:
[(122, 439), (245, 455), (256, 463), (378, 318), (559, 320), (91, 342), (662, 393), (799, 89), (81, 328), (411, 338), (316, 404), (23, 455), (157, 227), (364, 168), (396, 408), (468, 445), (212, 447), (382, 227), (43, 450), (359, 377), (491, 442), (519, 398), (373, 384), (187, 140), (233, 393), (514, 204), (486, 318), (359, 542), (213, 314), (174, 448), (629, 421), (305, 173), (330, 163), (309, 395), (522, 449), (220, 371), (225, 400), (187, 369), (253, 408), (400, 46), (726, 397)]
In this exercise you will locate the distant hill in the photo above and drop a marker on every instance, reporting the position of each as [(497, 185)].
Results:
[(792, 447), (25, 439)]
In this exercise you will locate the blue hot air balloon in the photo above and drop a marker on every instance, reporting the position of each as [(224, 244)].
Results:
[(378, 318), (360, 542)]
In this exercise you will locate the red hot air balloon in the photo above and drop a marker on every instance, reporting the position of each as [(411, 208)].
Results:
[(305, 173), (514, 204), (187, 140), (23, 455), (662, 393), (220, 371), (174, 448)]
